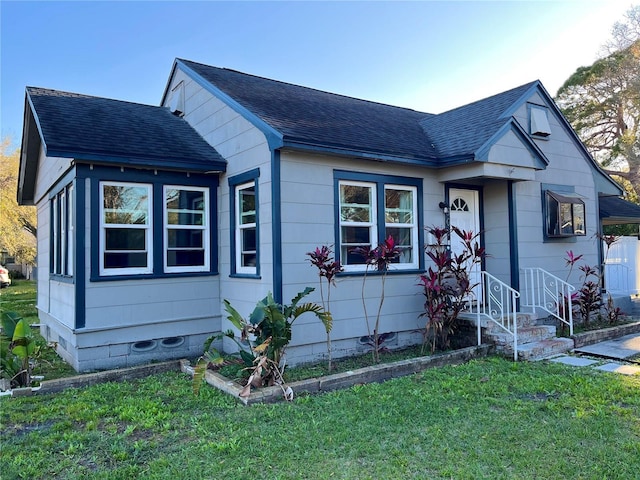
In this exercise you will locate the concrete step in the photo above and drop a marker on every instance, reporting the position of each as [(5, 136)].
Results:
[(525, 335), (540, 349), (490, 326)]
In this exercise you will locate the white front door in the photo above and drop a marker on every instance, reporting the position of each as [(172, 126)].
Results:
[(464, 208)]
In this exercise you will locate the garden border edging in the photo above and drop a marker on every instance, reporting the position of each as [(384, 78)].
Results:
[(372, 374), (600, 335)]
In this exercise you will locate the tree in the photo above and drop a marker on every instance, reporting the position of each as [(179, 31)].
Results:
[(602, 103), (17, 223)]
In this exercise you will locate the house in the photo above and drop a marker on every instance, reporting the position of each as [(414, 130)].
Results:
[(150, 216)]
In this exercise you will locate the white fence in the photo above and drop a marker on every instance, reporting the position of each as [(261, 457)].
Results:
[(622, 267)]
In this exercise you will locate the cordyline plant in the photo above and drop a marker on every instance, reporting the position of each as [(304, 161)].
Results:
[(263, 339), (588, 299), (447, 284), (328, 268), (379, 258)]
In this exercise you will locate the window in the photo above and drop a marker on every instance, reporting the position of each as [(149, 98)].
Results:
[(62, 232), (564, 215), (357, 220), (400, 221), (373, 209), (246, 238), (186, 229), (125, 228)]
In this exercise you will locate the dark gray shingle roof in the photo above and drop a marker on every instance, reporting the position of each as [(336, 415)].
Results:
[(308, 116), (463, 130), (616, 210), (86, 127)]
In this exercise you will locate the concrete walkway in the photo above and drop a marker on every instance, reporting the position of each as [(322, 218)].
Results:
[(620, 355)]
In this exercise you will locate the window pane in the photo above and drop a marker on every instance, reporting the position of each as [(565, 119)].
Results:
[(125, 259), (185, 258), (578, 218), (125, 239), (355, 203), (249, 239), (185, 238), (398, 206), (247, 198), (349, 257), (249, 259), (358, 235), (402, 239), (126, 205), (553, 227), (566, 219), (184, 207)]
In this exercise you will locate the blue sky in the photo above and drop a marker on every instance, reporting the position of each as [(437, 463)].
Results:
[(426, 55)]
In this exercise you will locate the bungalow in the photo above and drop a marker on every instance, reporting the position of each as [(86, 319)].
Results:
[(150, 216)]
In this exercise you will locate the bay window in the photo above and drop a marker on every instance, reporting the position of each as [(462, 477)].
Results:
[(565, 215)]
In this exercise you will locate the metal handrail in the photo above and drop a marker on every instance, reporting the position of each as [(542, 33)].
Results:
[(547, 292), (497, 302)]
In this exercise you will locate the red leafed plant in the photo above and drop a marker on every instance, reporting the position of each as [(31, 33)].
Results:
[(328, 268), (379, 258), (447, 284)]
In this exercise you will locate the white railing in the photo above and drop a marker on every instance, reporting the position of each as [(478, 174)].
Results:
[(616, 278), (545, 291), (498, 303)]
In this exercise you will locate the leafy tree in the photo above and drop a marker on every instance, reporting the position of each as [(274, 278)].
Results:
[(602, 103), (17, 223)]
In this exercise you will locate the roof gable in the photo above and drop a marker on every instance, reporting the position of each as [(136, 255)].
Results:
[(463, 131)]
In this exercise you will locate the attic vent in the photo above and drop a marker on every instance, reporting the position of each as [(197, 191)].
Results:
[(176, 103), (539, 122)]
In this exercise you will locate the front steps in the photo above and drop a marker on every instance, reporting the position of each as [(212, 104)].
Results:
[(535, 341)]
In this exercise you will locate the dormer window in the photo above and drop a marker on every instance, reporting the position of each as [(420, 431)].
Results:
[(539, 121), (564, 215)]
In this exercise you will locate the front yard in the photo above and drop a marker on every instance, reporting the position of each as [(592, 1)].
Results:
[(490, 418)]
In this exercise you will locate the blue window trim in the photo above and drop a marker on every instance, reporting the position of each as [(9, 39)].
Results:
[(380, 180), (235, 181), (157, 179)]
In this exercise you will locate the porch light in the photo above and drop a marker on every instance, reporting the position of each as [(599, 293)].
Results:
[(443, 206)]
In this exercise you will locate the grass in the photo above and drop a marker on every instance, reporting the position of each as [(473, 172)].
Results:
[(20, 297), (490, 418)]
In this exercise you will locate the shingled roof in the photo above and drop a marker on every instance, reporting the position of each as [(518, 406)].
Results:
[(463, 130), (617, 211), (312, 117), (117, 132)]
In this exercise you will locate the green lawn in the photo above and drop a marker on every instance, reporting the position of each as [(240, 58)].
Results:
[(20, 297), (491, 418)]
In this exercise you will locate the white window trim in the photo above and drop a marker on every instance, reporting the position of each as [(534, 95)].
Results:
[(205, 228), (414, 227), (239, 227), (148, 227), (372, 224)]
